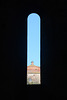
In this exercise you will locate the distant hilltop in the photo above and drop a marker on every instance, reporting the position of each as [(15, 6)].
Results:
[(33, 68)]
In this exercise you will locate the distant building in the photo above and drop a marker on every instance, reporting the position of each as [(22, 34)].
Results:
[(33, 68)]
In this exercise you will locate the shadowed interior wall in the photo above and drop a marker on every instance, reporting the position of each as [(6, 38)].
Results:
[(14, 54)]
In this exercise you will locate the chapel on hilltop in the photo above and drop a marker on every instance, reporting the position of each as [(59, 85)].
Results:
[(33, 68)]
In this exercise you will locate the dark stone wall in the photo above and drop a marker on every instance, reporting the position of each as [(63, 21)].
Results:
[(14, 54)]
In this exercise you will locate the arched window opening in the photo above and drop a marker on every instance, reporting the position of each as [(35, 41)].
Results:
[(33, 49)]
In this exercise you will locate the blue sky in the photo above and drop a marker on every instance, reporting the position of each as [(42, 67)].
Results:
[(33, 39)]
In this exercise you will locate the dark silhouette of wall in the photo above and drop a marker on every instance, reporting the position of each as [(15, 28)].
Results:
[(14, 63)]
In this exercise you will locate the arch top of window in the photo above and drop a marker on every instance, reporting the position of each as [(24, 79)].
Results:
[(33, 14)]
